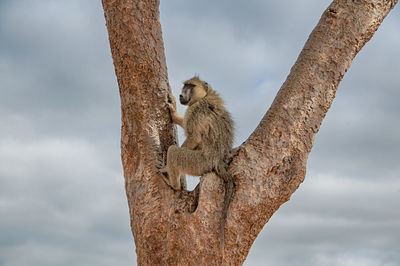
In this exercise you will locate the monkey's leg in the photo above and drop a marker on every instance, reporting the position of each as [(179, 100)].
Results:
[(186, 161), (174, 177), (173, 182), (166, 175), (180, 161), (183, 182), (164, 172)]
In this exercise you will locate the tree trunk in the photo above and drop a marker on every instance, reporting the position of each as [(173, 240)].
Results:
[(182, 228)]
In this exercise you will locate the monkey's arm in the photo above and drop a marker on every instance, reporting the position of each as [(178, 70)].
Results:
[(177, 118)]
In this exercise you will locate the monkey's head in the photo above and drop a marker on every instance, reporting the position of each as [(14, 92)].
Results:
[(193, 90)]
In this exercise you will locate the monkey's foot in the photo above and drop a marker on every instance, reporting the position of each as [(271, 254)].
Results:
[(164, 176), (163, 170)]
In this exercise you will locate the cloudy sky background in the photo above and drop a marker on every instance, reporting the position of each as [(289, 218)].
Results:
[(62, 198)]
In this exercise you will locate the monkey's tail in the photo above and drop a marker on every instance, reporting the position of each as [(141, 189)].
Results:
[(222, 173)]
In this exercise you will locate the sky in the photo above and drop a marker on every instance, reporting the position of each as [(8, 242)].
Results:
[(62, 198)]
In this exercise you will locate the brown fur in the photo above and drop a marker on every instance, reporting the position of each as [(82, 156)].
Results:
[(209, 137)]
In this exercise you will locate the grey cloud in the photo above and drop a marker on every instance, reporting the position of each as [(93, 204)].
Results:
[(56, 69), (62, 193), (335, 218), (253, 18), (62, 198), (50, 57)]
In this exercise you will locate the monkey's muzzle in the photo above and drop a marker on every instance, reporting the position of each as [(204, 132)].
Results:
[(183, 100)]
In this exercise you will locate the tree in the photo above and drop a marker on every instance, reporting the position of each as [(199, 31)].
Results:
[(267, 168)]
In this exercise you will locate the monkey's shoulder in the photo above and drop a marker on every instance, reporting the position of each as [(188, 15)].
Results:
[(205, 111)]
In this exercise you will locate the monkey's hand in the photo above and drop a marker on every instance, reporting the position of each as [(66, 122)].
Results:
[(171, 103), (176, 118)]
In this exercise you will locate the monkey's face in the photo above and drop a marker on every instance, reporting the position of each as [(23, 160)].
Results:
[(193, 90), (186, 94)]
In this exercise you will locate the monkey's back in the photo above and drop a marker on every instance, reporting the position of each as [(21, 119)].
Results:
[(209, 123)]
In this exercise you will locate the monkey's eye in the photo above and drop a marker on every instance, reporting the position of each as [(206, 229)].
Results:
[(188, 86)]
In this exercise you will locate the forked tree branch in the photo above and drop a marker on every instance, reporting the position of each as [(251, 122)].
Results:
[(183, 227)]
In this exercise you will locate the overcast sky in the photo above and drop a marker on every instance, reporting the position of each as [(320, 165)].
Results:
[(62, 198)]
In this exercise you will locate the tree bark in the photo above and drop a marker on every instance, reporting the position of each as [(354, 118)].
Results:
[(182, 228)]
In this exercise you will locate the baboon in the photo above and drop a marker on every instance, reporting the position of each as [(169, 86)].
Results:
[(208, 128)]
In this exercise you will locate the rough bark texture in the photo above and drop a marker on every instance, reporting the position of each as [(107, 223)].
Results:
[(172, 228)]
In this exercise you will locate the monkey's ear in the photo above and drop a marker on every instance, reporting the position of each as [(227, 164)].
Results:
[(206, 86)]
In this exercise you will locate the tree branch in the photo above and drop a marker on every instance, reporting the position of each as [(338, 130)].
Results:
[(138, 53), (272, 163)]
